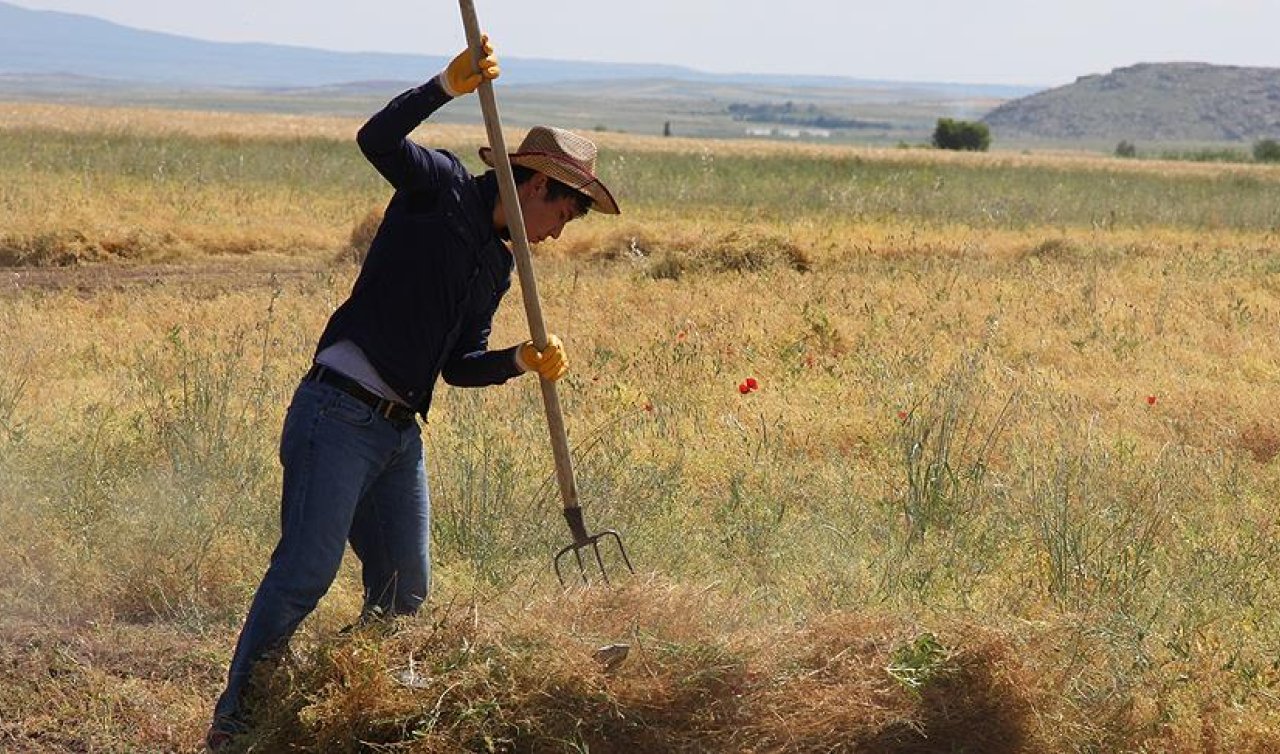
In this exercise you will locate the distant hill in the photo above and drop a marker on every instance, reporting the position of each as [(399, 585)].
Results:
[(52, 44), (1150, 102)]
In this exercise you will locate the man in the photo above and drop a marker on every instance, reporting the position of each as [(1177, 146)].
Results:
[(422, 306)]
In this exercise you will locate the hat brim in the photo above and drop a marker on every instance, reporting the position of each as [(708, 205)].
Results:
[(565, 172)]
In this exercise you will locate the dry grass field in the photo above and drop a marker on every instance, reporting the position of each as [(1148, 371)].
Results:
[(1008, 483)]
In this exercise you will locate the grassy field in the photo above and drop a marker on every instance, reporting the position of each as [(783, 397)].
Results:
[(1007, 485), (887, 113)]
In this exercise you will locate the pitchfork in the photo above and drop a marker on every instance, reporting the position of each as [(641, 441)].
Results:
[(533, 308)]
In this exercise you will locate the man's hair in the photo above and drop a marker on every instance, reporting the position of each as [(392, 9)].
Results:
[(555, 189)]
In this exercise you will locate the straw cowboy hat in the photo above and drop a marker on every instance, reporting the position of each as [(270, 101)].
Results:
[(566, 157)]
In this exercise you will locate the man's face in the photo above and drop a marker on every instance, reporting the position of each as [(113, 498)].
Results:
[(545, 218)]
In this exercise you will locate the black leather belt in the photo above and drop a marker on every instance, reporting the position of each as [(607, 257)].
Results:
[(396, 413)]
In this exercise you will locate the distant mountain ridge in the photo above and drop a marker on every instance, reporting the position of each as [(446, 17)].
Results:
[(50, 43), (1151, 102)]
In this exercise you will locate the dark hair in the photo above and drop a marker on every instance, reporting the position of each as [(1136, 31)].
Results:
[(555, 189)]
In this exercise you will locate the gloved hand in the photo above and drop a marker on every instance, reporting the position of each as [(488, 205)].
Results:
[(461, 76), (551, 363)]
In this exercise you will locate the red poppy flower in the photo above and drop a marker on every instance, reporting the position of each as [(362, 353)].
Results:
[(752, 384), (743, 388), (902, 416), (1151, 400)]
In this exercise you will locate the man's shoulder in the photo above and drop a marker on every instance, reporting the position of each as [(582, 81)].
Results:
[(459, 176), (453, 158), (465, 200), (458, 168)]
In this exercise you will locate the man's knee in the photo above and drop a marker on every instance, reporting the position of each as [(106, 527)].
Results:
[(300, 585)]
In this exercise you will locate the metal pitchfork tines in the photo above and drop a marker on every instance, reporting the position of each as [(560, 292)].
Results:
[(581, 541), (533, 309)]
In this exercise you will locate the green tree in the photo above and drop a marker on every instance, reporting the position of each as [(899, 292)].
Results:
[(1266, 150), (1126, 148), (962, 135)]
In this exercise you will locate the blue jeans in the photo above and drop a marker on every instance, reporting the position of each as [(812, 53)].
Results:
[(349, 476)]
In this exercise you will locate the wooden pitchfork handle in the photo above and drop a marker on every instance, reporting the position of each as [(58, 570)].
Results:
[(528, 286)]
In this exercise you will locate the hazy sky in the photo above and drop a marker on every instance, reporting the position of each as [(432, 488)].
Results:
[(988, 41)]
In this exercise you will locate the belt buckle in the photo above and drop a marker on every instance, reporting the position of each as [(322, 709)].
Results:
[(386, 410)]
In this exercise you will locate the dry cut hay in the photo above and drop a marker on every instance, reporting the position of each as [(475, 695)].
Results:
[(670, 253), (69, 247), (522, 678)]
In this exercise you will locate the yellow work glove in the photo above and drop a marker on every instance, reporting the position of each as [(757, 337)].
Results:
[(550, 363), (461, 77)]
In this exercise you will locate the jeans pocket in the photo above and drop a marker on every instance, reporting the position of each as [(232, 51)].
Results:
[(348, 410)]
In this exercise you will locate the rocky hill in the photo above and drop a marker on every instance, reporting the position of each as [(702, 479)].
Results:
[(1151, 102)]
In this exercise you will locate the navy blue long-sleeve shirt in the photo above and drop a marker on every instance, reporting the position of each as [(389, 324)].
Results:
[(436, 271)]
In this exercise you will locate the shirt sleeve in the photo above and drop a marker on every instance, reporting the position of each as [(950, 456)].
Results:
[(472, 364), (384, 140)]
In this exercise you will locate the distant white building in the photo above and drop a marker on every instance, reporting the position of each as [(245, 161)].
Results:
[(791, 133)]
